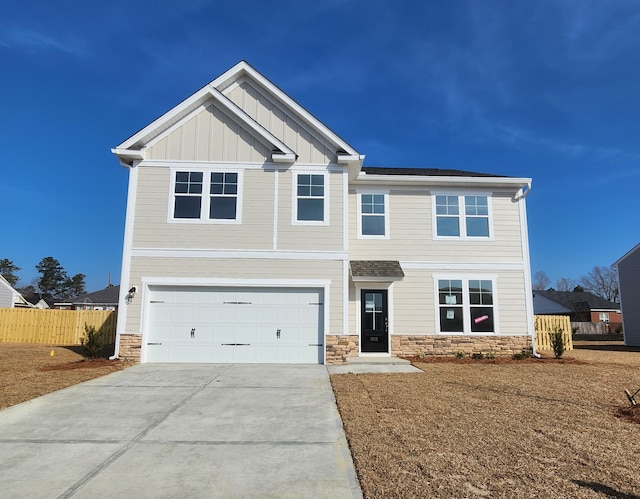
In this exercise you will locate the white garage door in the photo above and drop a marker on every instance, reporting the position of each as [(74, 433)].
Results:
[(229, 325)]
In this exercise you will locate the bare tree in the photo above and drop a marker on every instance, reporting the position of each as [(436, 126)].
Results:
[(541, 280), (602, 281), (565, 284)]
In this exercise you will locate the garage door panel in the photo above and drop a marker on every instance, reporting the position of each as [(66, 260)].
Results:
[(234, 325)]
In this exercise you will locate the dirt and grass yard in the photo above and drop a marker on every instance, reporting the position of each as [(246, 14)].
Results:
[(28, 371), (514, 429), (498, 429)]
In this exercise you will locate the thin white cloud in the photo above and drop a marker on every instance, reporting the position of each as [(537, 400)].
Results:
[(521, 138), (33, 41)]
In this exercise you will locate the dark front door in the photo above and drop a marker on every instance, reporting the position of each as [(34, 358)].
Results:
[(374, 320)]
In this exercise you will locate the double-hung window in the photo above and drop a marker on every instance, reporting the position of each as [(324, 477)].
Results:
[(223, 194), (205, 196), (374, 215), (461, 216), (466, 305), (188, 195), (310, 198)]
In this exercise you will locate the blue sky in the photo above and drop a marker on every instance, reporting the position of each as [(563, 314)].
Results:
[(547, 89)]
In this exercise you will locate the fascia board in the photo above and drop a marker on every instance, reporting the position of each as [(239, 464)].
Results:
[(252, 124), (167, 119), (244, 67), (182, 110), (505, 182), (626, 255)]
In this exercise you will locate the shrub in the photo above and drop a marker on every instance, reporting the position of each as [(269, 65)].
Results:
[(490, 356), (557, 342), (91, 343), (526, 353), (477, 356), (459, 355)]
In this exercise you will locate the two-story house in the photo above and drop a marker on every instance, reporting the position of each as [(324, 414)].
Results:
[(255, 234)]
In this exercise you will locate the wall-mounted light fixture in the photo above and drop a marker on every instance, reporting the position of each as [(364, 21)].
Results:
[(129, 297)]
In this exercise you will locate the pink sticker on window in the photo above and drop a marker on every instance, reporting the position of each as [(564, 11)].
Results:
[(482, 318)]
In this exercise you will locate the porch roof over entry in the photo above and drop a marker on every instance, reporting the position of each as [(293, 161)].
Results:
[(376, 270)]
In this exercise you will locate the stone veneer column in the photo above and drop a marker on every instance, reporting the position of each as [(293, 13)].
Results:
[(130, 347), (338, 348)]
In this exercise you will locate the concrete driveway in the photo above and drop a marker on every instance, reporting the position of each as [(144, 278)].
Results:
[(181, 430)]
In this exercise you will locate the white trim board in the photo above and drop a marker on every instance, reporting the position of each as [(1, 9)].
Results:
[(238, 254)]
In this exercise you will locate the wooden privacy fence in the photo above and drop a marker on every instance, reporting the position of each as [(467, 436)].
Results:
[(55, 327), (546, 324)]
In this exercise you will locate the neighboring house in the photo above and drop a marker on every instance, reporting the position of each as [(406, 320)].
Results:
[(254, 234), (10, 298), (105, 299), (582, 306), (545, 306), (629, 285)]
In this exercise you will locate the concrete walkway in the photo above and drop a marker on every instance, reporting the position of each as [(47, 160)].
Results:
[(360, 365), (175, 430)]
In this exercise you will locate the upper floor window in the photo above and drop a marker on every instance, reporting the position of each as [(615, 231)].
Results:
[(224, 196), (310, 199), (604, 317), (188, 195), (462, 216), (211, 196), (374, 216)]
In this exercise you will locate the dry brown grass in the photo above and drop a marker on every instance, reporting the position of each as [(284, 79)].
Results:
[(28, 371), (523, 429)]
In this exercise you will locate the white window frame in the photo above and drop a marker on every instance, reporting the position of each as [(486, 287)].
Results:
[(294, 197), (387, 233), (205, 196), (466, 305), (462, 216), (603, 316)]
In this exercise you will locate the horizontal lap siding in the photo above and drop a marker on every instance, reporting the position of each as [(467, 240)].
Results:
[(210, 135), (414, 309), (411, 233), (310, 237), (629, 275), (6, 297), (151, 229), (282, 125), (237, 269), (414, 303)]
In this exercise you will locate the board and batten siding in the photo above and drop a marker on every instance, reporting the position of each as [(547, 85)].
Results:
[(151, 229), (282, 124), (411, 232), (629, 279), (209, 135), (255, 269)]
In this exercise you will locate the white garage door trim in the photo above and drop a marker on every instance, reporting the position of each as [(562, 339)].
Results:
[(158, 282)]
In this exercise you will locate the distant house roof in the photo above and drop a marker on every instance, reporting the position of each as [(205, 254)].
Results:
[(424, 172), (579, 301), (386, 270), (107, 296), (545, 306)]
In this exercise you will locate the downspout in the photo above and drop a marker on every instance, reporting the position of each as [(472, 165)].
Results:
[(524, 231)]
